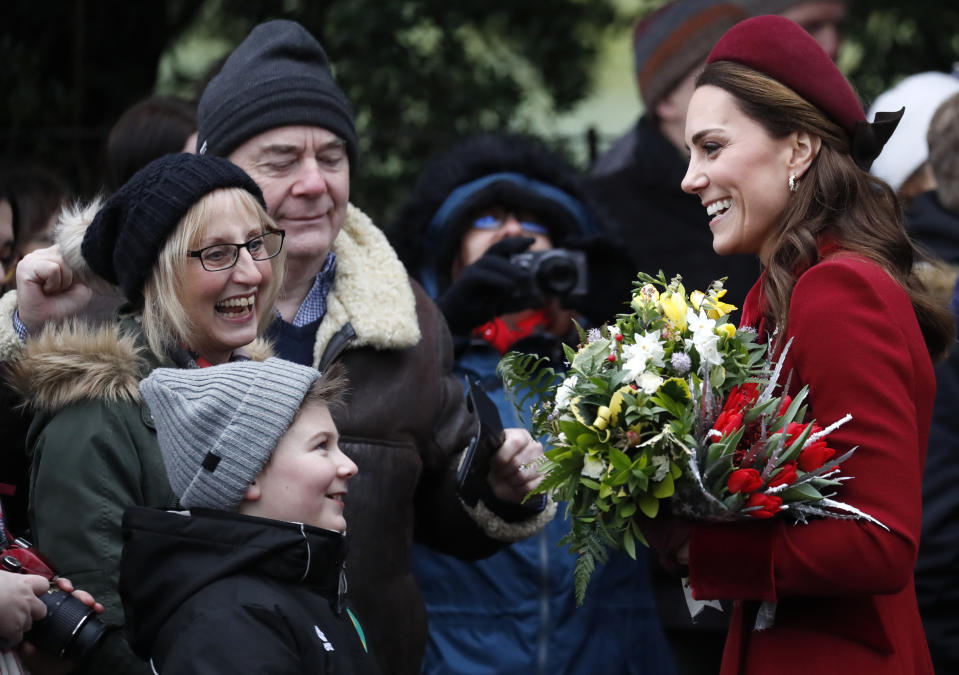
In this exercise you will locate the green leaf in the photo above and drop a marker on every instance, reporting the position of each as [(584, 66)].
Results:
[(638, 533), (649, 505), (621, 477), (629, 544), (627, 509), (753, 414), (734, 502), (590, 357), (589, 482), (677, 390), (665, 488), (717, 376), (792, 411), (804, 492), (795, 447), (619, 459)]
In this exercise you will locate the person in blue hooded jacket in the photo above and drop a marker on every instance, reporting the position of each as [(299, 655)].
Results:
[(474, 233)]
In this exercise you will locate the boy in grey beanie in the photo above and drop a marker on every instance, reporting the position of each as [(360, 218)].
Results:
[(251, 578)]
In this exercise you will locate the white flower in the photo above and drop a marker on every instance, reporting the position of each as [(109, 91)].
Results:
[(647, 350), (565, 392), (650, 382), (593, 467), (706, 345), (704, 337), (593, 335), (699, 322)]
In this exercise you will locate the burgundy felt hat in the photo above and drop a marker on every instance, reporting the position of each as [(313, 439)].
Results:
[(781, 49)]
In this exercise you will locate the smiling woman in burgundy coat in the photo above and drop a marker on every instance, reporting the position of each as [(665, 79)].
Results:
[(779, 146)]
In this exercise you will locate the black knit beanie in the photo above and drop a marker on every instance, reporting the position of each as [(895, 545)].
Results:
[(124, 240), (278, 76)]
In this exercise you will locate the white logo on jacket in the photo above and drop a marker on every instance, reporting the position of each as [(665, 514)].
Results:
[(327, 645)]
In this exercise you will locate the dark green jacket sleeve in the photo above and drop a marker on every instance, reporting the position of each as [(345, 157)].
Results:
[(90, 462)]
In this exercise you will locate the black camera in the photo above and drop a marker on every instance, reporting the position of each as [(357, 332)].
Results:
[(70, 630), (557, 272)]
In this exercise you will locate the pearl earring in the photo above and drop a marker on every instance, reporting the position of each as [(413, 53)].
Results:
[(793, 183)]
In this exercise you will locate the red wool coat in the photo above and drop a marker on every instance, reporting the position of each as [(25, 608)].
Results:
[(844, 589)]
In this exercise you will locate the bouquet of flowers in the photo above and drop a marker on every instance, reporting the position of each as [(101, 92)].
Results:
[(671, 401)]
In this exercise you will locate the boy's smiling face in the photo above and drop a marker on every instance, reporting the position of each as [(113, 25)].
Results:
[(305, 479)]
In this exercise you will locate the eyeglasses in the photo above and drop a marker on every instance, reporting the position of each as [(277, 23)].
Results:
[(496, 219), (219, 257)]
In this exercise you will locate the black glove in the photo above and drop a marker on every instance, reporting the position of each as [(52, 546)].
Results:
[(610, 275), (486, 289)]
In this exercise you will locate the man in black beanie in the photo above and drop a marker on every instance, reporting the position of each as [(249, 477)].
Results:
[(276, 111)]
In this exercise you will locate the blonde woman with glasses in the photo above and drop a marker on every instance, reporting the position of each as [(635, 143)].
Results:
[(198, 260)]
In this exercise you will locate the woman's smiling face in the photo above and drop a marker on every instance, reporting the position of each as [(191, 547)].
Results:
[(223, 306), (740, 173)]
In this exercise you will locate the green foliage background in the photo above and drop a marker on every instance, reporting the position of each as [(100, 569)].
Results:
[(420, 73)]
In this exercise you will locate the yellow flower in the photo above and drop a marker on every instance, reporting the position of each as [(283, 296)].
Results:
[(696, 298), (718, 309), (674, 307), (726, 330)]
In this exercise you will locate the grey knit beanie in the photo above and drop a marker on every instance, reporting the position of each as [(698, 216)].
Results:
[(676, 38), (218, 426), (278, 76)]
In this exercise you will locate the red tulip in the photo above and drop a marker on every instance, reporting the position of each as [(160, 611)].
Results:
[(744, 480), (728, 422), (770, 505), (815, 455), (785, 476)]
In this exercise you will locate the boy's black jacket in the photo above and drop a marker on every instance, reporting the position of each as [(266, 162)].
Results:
[(214, 592)]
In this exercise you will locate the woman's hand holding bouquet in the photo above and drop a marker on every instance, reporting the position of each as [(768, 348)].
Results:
[(672, 402)]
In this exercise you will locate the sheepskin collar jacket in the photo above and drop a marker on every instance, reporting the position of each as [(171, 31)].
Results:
[(405, 425)]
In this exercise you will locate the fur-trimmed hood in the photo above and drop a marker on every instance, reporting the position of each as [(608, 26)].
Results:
[(491, 169), (371, 291), (76, 361)]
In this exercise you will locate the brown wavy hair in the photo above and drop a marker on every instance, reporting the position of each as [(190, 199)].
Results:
[(836, 201)]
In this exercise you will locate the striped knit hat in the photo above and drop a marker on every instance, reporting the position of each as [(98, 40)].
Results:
[(757, 7), (672, 41), (217, 427)]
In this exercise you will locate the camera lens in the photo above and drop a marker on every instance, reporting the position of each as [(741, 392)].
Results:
[(557, 275), (70, 629)]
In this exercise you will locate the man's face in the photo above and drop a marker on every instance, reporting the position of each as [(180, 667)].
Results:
[(304, 173), (822, 20)]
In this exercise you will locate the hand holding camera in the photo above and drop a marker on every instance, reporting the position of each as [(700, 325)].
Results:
[(510, 278), (61, 622), (484, 289), (21, 607)]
